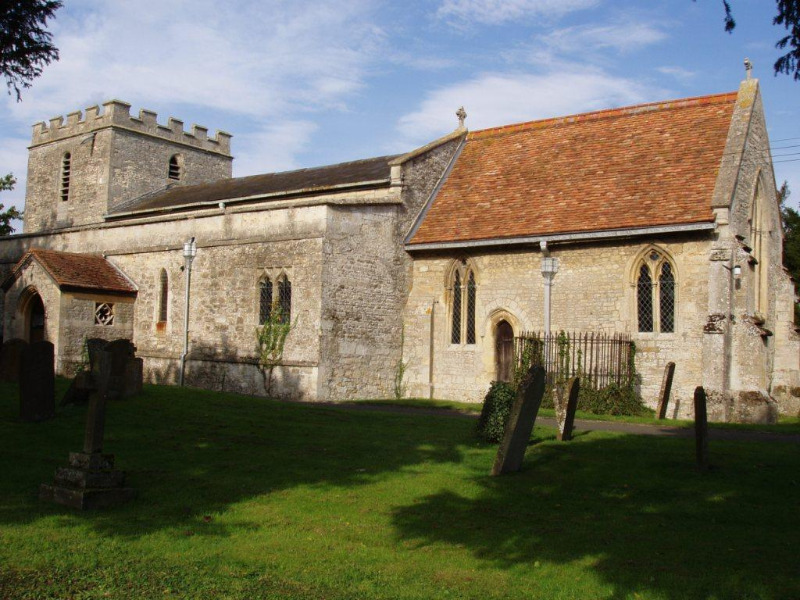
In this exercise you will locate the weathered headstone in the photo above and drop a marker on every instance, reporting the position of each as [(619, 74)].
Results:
[(120, 353), (520, 423), (93, 347), (666, 388), (566, 405), (701, 427), (90, 480), (134, 377), (11, 359), (37, 401)]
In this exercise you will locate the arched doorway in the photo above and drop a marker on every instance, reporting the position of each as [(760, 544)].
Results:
[(504, 351), (35, 318)]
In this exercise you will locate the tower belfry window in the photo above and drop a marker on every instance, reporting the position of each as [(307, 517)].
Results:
[(66, 167), (175, 171)]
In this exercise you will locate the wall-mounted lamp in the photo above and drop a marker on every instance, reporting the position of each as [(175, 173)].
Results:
[(736, 270)]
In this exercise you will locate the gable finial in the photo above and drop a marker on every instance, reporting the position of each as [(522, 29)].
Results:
[(748, 67), (462, 115)]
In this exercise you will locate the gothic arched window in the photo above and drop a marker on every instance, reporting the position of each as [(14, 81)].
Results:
[(163, 297), (463, 291), (655, 293), (264, 300), (284, 299)]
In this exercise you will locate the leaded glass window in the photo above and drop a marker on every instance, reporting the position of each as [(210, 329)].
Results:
[(463, 305), (644, 299), (285, 298), (455, 336), (471, 309), (666, 298), (264, 301), (655, 294)]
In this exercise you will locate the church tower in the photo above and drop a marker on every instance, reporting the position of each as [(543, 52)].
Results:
[(93, 163)]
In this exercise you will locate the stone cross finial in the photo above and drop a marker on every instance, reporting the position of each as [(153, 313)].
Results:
[(462, 115), (748, 67)]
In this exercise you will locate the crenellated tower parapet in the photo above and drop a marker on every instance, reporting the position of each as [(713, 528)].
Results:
[(116, 113), (86, 165)]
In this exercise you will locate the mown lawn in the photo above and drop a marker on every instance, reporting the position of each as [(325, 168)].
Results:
[(242, 497)]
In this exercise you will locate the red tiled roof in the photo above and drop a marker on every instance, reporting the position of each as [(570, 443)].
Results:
[(640, 166), (77, 272)]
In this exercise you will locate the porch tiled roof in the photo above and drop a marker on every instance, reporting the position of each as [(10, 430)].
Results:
[(76, 272), (641, 166)]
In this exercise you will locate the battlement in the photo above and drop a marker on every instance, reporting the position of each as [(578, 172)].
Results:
[(116, 113)]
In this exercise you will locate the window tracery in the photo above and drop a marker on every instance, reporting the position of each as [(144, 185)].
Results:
[(655, 293), (463, 291)]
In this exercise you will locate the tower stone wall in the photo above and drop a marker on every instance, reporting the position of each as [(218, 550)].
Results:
[(114, 158)]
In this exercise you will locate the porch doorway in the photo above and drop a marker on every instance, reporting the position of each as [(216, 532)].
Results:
[(35, 319), (504, 351)]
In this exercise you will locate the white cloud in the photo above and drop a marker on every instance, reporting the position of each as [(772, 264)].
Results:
[(261, 59), (495, 12), (262, 65), (272, 148), (14, 159), (623, 37), (678, 73), (495, 99)]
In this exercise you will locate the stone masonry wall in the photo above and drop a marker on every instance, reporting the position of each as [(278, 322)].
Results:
[(16, 302), (594, 290), (88, 190), (77, 324)]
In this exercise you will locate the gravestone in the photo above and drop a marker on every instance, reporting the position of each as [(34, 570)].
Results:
[(90, 480), (11, 358), (119, 353), (520, 423), (37, 401), (566, 402), (81, 386), (666, 388), (701, 428)]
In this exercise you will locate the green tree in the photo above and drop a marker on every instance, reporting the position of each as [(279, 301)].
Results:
[(7, 183), (25, 45), (791, 240), (270, 340), (788, 16)]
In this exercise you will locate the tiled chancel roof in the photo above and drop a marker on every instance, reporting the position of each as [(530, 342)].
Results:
[(76, 272), (299, 182), (641, 166)]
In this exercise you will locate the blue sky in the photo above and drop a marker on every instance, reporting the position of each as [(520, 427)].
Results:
[(306, 83)]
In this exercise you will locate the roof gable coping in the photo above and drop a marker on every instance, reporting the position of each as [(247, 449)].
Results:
[(404, 158)]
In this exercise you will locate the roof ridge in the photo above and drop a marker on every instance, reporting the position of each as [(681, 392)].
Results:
[(607, 113)]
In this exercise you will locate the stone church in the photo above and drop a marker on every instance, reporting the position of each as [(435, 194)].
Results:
[(658, 220)]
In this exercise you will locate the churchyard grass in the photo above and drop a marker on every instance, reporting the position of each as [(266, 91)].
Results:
[(241, 497)]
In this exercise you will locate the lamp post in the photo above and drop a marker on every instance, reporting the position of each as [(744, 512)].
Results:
[(549, 270), (189, 252)]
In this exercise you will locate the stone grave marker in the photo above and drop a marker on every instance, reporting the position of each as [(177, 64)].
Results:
[(11, 358), (666, 388), (90, 480), (701, 428), (566, 402), (81, 386), (520, 423), (37, 392), (120, 353)]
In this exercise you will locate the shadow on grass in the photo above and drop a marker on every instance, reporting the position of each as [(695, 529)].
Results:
[(639, 512), (631, 510), (191, 453)]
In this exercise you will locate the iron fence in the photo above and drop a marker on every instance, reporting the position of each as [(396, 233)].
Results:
[(599, 359)]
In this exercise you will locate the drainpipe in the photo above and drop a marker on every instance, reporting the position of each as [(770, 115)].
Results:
[(430, 350), (189, 252)]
